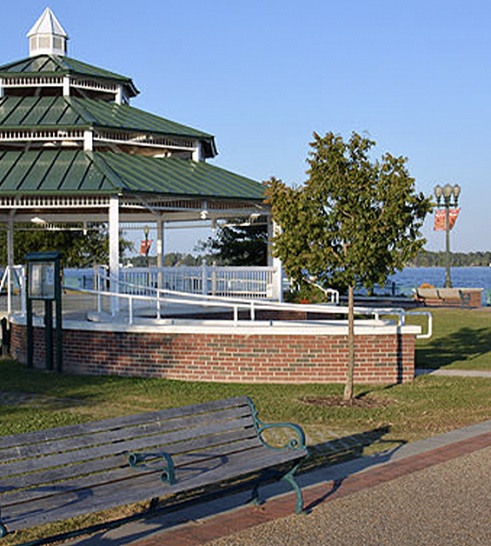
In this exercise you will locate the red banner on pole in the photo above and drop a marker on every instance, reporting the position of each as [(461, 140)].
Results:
[(145, 247), (439, 220), (452, 217)]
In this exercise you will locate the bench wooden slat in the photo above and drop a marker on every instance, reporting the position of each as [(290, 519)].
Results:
[(195, 462), (113, 436), (152, 442), (231, 443), (142, 488), (46, 435)]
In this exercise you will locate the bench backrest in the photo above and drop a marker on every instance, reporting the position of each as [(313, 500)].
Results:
[(441, 293), (427, 292), (450, 293), (34, 458)]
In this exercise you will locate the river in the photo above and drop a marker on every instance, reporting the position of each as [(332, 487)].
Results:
[(462, 277)]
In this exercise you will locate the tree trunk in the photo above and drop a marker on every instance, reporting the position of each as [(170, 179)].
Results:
[(348, 389)]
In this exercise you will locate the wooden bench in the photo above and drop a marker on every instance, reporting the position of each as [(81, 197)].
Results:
[(56, 474), (442, 296)]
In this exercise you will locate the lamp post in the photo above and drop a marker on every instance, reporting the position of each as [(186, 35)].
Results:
[(446, 193), (146, 231)]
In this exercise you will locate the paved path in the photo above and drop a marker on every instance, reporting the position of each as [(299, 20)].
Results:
[(453, 373), (435, 492)]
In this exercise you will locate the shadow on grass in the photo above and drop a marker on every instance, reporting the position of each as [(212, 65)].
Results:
[(464, 345), (348, 448), (17, 378)]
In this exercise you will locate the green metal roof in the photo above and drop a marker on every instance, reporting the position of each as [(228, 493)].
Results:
[(72, 112), (70, 172), (42, 112), (180, 177), (122, 116), (54, 64), (49, 172), (61, 66)]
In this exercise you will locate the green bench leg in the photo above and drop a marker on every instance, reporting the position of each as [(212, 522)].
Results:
[(255, 500), (290, 478)]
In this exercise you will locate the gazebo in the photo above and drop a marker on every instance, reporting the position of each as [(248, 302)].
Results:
[(74, 152)]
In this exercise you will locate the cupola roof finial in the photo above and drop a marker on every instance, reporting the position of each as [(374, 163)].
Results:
[(47, 36)]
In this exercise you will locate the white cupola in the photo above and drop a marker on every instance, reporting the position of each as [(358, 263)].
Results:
[(47, 36)]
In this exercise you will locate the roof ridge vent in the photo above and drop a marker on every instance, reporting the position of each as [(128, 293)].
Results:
[(47, 36)]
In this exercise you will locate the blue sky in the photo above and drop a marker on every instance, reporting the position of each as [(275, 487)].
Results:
[(262, 75)]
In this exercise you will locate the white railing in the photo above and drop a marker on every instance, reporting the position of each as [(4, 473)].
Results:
[(156, 301), (244, 282), (13, 281), (144, 140), (162, 299), (34, 80)]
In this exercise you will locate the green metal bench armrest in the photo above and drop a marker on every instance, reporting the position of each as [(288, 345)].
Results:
[(466, 298), (137, 460), (297, 442)]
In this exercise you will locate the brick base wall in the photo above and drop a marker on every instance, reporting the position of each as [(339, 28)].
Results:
[(383, 358)]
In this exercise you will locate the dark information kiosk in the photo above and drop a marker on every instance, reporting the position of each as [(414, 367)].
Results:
[(44, 283)]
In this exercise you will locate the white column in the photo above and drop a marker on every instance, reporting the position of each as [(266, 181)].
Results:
[(10, 260), (119, 95), (271, 232), (2, 92), (66, 86), (160, 251), (114, 250), (10, 239), (197, 152), (160, 242), (88, 140), (273, 228)]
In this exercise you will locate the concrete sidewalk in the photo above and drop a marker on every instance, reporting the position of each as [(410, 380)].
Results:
[(432, 492), (453, 373)]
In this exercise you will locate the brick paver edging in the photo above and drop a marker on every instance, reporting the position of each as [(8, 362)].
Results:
[(240, 519)]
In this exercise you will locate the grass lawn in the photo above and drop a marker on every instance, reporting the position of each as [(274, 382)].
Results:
[(32, 399), (461, 340)]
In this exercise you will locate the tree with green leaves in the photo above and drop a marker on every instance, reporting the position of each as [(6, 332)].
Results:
[(241, 242), (354, 222), (79, 249)]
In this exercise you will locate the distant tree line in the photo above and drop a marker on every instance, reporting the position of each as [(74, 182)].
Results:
[(171, 259), (425, 258)]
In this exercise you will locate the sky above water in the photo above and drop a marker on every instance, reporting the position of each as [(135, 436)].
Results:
[(262, 75)]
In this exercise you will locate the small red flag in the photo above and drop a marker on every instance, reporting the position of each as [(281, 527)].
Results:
[(145, 247), (439, 220), (452, 217)]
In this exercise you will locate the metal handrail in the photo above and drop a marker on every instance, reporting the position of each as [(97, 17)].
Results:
[(237, 304), (18, 271)]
